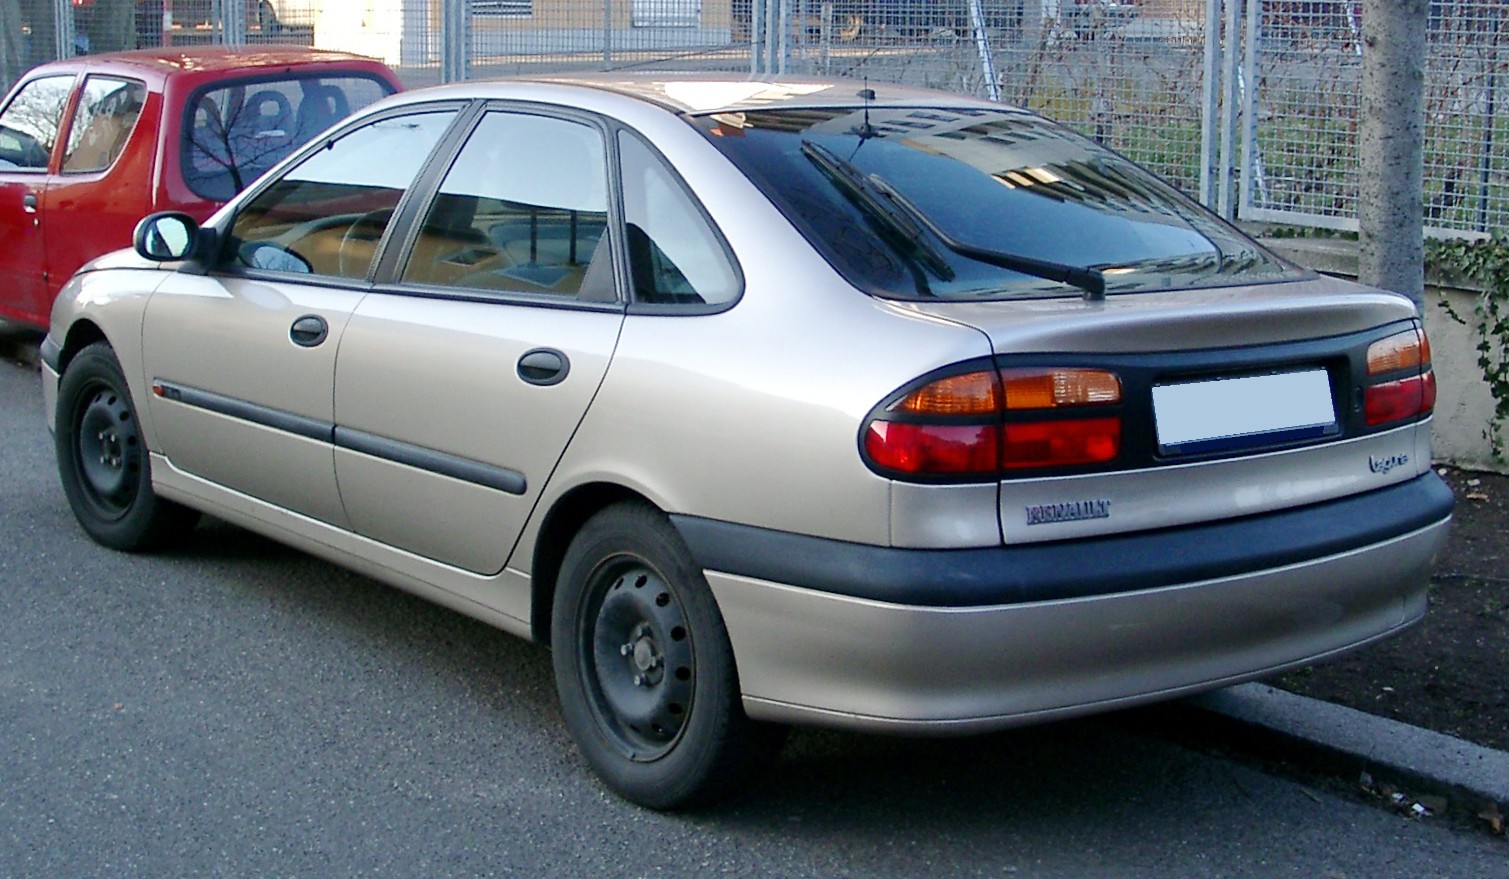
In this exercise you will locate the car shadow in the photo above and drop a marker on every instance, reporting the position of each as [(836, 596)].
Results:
[(822, 781)]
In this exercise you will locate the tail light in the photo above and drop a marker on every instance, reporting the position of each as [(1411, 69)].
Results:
[(982, 424), (1402, 385)]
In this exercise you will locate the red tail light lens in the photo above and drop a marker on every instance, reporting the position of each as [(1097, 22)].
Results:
[(1401, 399), (1061, 443), (934, 449), (980, 424)]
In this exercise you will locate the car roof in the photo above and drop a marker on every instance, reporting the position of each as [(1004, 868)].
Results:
[(167, 63), (704, 93)]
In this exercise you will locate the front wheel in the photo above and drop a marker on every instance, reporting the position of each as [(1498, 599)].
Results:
[(102, 458), (644, 667)]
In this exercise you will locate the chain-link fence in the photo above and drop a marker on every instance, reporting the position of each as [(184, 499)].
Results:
[(1309, 62), (1251, 104)]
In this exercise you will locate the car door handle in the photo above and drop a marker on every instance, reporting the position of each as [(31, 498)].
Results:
[(309, 331), (544, 366), (29, 202)]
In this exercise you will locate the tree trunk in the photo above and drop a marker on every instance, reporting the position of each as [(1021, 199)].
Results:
[(1390, 209)]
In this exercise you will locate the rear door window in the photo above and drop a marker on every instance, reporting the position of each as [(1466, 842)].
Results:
[(102, 123), (524, 209), (233, 132)]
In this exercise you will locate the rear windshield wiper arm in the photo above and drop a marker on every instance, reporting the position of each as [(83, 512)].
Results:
[(899, 222), (1092, 281)]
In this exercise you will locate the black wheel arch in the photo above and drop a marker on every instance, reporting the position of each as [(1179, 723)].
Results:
[(81, 335), (565, 518)]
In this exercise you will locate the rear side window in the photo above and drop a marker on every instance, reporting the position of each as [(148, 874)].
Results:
[(106, 116), (29, 125), (675, 256), (235, 131)]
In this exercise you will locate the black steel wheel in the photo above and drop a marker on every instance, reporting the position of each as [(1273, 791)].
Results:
[(644, 668), (102, 457)]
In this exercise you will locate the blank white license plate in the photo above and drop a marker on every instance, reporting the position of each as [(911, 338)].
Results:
[(1235, 413)]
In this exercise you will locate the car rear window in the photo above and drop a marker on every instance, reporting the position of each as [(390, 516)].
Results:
[(234, 131), (903, 201)]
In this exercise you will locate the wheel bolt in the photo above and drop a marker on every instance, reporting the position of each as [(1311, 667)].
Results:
[(626, 650), (639, 680)]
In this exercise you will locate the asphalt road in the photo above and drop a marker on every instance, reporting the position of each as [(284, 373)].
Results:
[(235, 708)]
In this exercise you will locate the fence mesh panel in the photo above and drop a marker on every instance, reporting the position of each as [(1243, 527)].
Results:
[(1308, 99), (1466, 134)]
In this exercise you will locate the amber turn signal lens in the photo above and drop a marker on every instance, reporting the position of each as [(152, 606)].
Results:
[(1055, 388), (1406, 350), (973, 393)]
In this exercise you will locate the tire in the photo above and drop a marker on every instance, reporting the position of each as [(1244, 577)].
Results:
[(644, 668), (102, 458)]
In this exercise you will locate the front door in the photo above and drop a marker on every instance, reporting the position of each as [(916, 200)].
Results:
[(29, 127), (242, 361)]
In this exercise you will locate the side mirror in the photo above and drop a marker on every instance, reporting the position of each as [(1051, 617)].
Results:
[(165, 237)]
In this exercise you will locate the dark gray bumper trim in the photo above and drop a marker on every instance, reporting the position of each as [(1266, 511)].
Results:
[(1071, 568)]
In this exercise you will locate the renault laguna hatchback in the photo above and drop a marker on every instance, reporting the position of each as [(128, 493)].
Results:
[(768, 403)]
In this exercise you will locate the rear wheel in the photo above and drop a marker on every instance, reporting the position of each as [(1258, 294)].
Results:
[(644, 668), (102, 458)]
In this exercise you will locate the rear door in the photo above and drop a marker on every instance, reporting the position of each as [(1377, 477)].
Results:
[(29, 128), (461, 381), (242, 360)]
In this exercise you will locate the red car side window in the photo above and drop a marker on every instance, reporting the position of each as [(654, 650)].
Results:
[(103, 122), (29, 126)]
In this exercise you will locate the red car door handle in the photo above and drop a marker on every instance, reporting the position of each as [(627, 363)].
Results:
[(29, 202)]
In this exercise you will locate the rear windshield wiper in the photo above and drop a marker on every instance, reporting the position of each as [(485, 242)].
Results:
[(1091, 281), (899, 223)]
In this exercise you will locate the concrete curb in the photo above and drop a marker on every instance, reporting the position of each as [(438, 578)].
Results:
[(1397, 752)]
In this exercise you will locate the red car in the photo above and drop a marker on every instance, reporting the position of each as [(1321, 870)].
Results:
[(90, 145)]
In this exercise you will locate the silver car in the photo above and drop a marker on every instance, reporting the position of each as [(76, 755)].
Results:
[(768, 403)]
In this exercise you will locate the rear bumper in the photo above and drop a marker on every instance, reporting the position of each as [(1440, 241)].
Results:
[(964, 641)]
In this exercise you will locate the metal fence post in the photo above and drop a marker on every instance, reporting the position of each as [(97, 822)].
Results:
[(228, 22), (772, 35), (1252, 159), (1231, 60), (982, 45), (756, 36), (63, 29), (607, 34), (455, 40), (1210, 103), (784, 43)]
